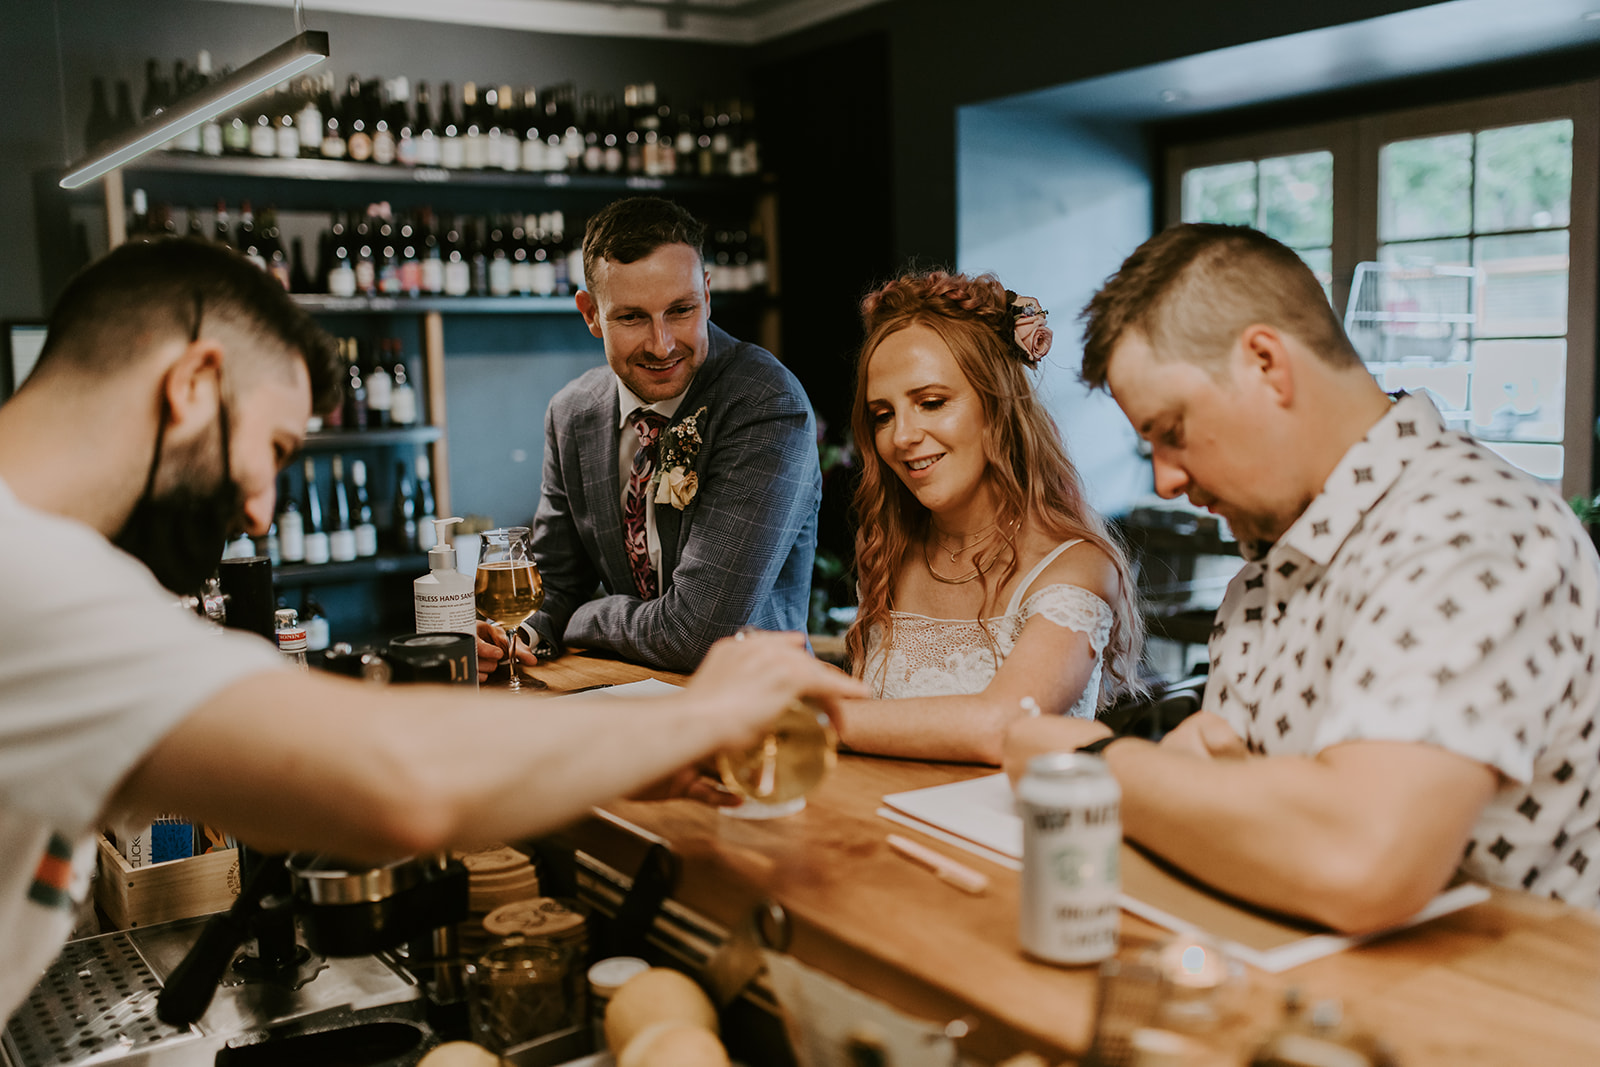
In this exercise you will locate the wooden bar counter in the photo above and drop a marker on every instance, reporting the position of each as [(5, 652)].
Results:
[(1515, 980)]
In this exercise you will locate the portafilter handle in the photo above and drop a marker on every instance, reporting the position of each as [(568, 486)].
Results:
[(191, 985)]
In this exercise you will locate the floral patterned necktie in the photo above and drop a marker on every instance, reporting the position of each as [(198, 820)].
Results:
[(648, 424)]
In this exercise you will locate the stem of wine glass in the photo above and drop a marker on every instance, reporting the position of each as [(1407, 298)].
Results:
[(511, 661)]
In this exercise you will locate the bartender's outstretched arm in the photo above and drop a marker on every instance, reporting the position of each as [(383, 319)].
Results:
[(309, 762)]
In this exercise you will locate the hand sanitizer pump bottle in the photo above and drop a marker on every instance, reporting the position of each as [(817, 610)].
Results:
[(444, 596)]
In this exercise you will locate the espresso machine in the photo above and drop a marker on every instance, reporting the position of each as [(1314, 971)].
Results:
[(340, 962)]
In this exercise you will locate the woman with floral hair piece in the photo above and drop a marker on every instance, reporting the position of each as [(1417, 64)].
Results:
[(989, 589)]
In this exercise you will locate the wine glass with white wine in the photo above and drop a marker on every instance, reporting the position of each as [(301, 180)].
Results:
[(508, 589)]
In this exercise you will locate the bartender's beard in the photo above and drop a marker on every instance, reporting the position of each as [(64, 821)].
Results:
[(180, 533)]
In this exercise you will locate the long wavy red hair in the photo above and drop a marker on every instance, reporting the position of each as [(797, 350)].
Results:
[(1028, 468)]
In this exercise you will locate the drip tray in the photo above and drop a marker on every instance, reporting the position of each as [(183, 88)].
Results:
[(97, 1005)]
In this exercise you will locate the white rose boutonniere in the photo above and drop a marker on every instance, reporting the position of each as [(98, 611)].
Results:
[(676, 480)]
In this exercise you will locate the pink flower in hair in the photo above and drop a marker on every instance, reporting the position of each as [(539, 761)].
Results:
[(1029, 329)]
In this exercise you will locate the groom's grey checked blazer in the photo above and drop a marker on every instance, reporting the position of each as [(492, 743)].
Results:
[(740, 552)]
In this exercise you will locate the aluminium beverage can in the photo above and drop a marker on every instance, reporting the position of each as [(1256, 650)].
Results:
[(1071, 846)]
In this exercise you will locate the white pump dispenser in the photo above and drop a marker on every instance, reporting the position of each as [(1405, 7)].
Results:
[(443, 597)]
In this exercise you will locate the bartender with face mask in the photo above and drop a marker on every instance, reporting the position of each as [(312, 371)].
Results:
[(176, 382)]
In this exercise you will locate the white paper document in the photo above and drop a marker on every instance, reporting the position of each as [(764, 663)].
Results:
[(980, 816)]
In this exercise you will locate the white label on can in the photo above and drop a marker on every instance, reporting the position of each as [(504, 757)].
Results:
[(1072, 841)]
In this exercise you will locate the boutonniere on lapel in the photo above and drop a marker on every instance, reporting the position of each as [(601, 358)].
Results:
[(676, 481)]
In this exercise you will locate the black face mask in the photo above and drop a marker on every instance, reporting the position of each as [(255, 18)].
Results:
[(180, 535)]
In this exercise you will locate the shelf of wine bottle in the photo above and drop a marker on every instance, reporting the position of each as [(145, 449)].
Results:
[(333, 170), (320, 303), (414, 564), (344, 440)]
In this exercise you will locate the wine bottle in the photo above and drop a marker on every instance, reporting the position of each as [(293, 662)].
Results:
[(510, 130), (316, 537), (478, 257), (222, 230), (316, 625), (341, 538), (157, 94), (532, 139), (342, 271), (410, 261), (299, 278), (427, 533), (457, 271), (452, 146), (388, 255), (474, 146), (499, 267), (542, 271), (426, 132), (366, 262), (380, 387), (123, 121), (405, 132), (263, 137), (355, 390), (492, 134), (403, 399), (521, 265), (432, 257), (184, 83), (385, 146), (358, 141), (403, 522), (334, 145), (97, 130), (366, 533), (589, 121), (291, 526), (139, 216), (249, 242), (287, 127), (210, 132), (308, 122)]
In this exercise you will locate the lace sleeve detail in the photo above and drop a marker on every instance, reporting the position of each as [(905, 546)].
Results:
[(1075, 608)]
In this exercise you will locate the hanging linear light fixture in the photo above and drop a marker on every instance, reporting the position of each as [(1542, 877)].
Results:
[(305, 49)]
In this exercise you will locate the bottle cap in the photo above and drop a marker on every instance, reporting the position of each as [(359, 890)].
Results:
[(608, 975), (442, 556)]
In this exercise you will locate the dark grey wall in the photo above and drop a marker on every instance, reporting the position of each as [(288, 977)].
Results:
[(947, 53)]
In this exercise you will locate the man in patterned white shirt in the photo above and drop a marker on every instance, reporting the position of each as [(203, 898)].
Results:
[(1402, 675)]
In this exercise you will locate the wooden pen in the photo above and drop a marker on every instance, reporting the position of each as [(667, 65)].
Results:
[(959, 875)]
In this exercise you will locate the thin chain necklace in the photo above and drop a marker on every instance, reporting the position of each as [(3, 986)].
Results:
[(980, 568), (962, 544)]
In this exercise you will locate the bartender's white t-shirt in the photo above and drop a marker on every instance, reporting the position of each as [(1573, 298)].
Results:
[(97, 663)]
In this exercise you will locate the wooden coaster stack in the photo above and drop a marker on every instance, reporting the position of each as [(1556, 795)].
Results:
[(495, 877)]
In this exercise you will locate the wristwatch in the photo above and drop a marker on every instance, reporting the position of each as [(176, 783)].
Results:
[(1095, 748), (540, 645)]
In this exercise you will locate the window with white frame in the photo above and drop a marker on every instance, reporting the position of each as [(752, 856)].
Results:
[(1491, 201)]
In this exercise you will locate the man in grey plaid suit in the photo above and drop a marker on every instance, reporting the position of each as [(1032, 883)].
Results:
[(682, 478)]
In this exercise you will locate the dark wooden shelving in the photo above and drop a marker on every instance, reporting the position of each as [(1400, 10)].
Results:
[(292, 574), (344, 440)]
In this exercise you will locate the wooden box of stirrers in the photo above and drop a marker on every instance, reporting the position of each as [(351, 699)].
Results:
[(177, 889)]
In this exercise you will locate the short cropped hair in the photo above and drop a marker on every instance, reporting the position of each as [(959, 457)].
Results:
[(1192, 289), (145, 293), (626, 231)]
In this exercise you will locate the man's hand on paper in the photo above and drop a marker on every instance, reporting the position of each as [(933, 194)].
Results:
[(1027, 738)]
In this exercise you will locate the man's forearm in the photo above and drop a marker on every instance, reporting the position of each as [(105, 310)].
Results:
[(1327, 839)]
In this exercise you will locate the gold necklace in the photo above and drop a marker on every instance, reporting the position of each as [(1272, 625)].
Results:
[(980, 568), (962, 545)]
